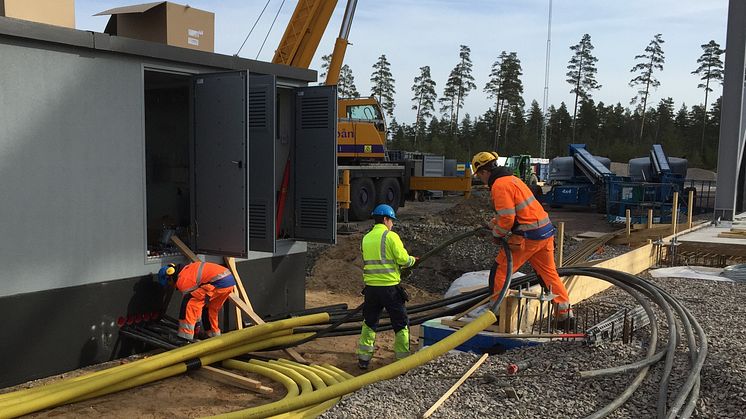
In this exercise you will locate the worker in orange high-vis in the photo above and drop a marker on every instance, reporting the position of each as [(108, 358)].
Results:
[(203, 284), (531, 234)]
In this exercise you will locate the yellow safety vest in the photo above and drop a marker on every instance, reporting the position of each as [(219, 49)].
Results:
[(383, 255)]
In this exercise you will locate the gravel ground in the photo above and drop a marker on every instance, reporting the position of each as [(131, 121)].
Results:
[(555, 393)]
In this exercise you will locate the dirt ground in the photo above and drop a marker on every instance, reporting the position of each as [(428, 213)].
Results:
[(334, 276)]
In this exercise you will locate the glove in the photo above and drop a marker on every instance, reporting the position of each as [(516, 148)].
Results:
[(493, 227), (416, 259)]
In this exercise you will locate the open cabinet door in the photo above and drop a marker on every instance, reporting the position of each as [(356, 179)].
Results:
[(221, 156), (316, 164), (262, 99)]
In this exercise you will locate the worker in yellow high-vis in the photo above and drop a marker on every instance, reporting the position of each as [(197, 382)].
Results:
[(383, 257)]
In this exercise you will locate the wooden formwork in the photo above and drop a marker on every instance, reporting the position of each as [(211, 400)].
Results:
[(578, 287)]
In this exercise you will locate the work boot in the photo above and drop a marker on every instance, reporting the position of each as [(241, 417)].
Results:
[(362, 364)]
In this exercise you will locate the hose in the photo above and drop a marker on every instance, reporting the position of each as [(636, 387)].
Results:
[(389, 371), (66, 391), (350, 316), (686, 397), (406, 272), (383, 373)]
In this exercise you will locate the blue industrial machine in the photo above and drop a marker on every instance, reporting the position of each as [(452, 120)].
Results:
[(650, 186), (578, 180)]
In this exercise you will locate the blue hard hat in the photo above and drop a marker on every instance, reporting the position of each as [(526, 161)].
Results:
[(165, 273), (384, 210)]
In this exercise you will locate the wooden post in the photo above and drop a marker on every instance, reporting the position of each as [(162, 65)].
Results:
[(675, 212), (243, 303), (690, 210), (628, 215), (561, 244), (453, 388), (650, 218)]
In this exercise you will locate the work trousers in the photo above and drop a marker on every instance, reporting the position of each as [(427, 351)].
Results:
[(194, 302), (540, 254), (377, 299)]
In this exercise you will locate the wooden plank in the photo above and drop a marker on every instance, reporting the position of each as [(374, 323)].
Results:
[(453, 388), (465, 312), (241, 304), (561, 232), (729, 235), (258, 320), (184, 248), (690, 209), (675, 212), (458, 324), (232, 379), (589, 234), (650, 219), (231, 262), (634, 262)]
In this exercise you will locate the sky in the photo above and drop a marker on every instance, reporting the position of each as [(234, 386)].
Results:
[(415, 33)]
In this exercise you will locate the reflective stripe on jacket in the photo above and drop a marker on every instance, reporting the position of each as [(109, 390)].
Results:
[(383, 256), (516, 207), (199, 273)]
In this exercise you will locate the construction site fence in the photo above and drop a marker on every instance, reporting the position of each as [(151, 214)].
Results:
[(704, 195)]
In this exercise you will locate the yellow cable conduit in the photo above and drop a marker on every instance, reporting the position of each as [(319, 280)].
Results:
[(314, 398), (311, 390), (228, 345)]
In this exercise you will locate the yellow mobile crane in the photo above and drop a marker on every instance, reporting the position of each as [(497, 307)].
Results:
[(366, 177)]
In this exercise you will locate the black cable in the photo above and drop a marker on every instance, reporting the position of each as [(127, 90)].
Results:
[(252, 28), (270, 29)]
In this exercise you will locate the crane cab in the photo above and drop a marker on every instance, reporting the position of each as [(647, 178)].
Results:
[(361, 130)]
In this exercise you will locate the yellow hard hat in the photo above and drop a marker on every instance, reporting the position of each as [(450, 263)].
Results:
[(481, 159)]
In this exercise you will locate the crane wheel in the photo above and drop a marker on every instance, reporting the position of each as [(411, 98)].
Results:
[(388, 191), (362, 198)]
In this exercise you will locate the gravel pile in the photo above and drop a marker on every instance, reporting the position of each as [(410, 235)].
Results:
[(719, 307)]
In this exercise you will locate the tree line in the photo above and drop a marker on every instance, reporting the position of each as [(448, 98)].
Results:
[(614, 130)]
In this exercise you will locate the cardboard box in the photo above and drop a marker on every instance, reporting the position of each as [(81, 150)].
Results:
[(164, 22), (51, 12)]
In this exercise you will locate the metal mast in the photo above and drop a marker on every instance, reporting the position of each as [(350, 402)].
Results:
[(543, 151)]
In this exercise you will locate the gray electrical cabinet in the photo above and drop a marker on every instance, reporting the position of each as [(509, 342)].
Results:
[(221, 159)]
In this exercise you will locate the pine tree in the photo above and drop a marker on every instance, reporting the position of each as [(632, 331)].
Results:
[(534, 124), (383, 85), (652, 60), (423, 100), (505, 87), (710, 69), (326, 60), (560, 129), (581, 73), (460, 83), (346, 86), (664, 129)]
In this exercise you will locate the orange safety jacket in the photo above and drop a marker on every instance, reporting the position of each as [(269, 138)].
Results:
[(196, 274), (517, 208)]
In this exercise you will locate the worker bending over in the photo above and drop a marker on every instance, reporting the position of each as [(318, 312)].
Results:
[(383, 257), (531, 232), (203, 283)]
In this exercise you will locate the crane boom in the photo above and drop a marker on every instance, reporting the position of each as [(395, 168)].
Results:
[(340, 46), (303, 33)]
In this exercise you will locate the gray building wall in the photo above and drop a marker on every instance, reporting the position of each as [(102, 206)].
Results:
[(72, 167), (73, 204)]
